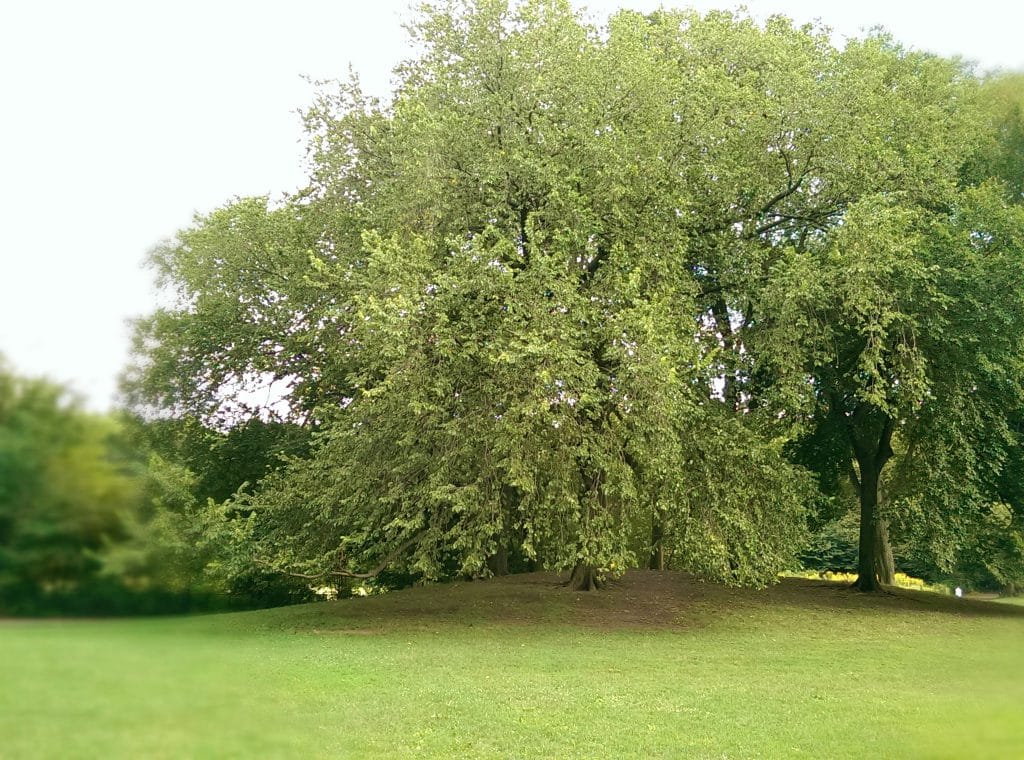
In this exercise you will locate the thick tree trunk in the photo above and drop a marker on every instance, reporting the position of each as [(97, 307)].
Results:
[(871, 440), (885, 566), (867, 578), (584, 578)]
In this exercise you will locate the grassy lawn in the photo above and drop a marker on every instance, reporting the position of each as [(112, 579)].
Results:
[(1018, 600), (657, 666)]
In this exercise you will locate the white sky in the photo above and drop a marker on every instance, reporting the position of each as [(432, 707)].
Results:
[(119, 120)]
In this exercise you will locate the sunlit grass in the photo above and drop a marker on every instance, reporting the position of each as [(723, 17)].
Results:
[(510, 669)]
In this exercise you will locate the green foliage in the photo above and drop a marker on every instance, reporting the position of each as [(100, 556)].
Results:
[(577, 295), (1001, 154), (246, 326), (523, 377), (218, 462), (871, 326), (832, 548), (87, 526), (175, 540), (63, 489)]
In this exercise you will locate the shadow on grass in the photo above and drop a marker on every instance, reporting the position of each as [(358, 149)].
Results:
[(814, 594)]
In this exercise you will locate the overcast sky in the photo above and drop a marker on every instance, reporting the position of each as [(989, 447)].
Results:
[(120, 120)]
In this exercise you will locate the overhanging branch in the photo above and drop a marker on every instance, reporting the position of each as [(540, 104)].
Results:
[(341, 572)]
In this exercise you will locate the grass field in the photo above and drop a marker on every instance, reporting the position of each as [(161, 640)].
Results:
[(659, 665), (1018, 600)]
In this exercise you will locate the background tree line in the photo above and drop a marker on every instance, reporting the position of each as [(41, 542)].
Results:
[(98, 513), (685, 291)]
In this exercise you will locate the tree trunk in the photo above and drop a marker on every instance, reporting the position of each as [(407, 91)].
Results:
[(871, 440), (497, 563), (584, 578), (867, 578), (885, 567), (657, 560)]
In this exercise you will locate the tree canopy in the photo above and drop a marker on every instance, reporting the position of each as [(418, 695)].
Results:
[(586, 298)]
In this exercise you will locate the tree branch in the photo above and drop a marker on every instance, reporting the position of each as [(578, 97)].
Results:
[(341, 573)]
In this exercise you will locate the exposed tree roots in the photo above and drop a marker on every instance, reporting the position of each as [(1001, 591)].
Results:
[(584, 578)]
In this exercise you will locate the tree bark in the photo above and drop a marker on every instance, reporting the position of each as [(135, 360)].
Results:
[(870, 434), (885, 567), (867, 578), (584, 578)]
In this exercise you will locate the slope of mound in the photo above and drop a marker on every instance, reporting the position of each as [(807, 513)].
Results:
[(641, 599)]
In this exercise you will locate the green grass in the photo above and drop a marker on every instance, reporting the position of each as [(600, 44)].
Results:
[(1018, 600), (657, 666)]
